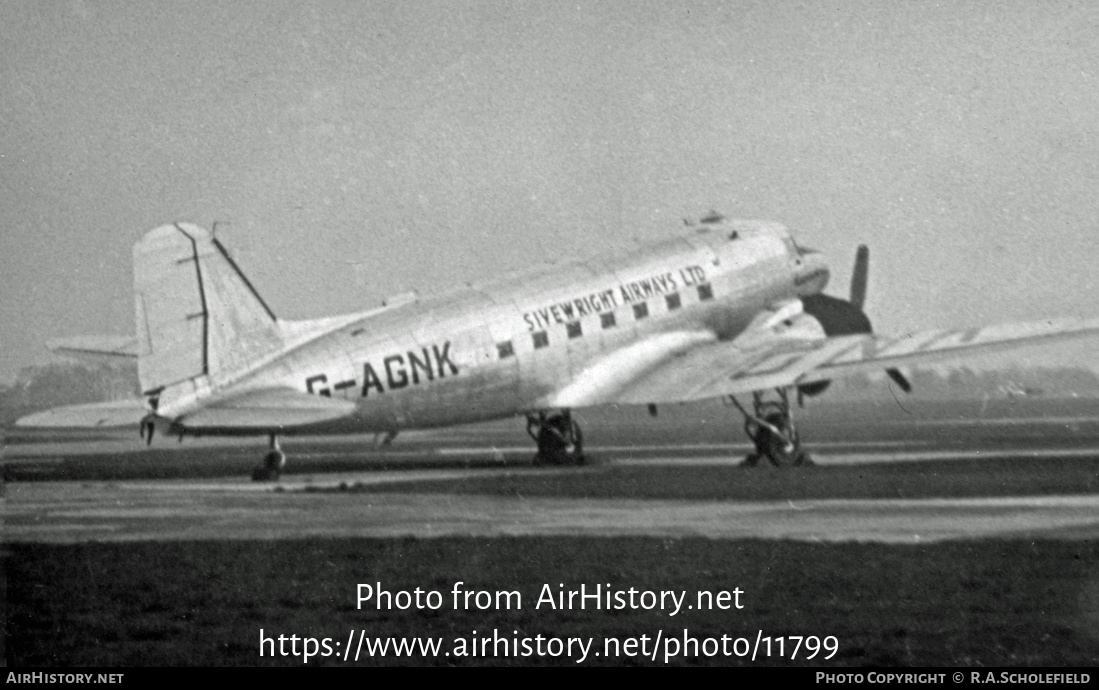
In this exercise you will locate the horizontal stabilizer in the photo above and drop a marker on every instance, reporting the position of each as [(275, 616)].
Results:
[(119, 413), (99, 348), (268, 409)]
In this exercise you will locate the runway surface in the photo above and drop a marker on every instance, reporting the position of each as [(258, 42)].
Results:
[(978, 537), (388, 497)]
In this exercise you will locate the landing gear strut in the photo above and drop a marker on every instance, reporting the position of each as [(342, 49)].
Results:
[(273, 462), (771, 428), (558, 436)]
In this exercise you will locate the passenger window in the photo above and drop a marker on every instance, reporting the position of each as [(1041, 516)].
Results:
[(540, 340), (672, 300), (607, 319), (505, 349), (640, 311), (705, 292), (573, 329)]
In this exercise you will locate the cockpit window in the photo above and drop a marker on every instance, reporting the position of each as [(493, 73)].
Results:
[(791, 247)]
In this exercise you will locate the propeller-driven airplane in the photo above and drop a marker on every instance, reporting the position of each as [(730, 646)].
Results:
[(730, 308)]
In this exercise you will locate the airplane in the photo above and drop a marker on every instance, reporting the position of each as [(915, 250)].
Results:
[(726, 308)]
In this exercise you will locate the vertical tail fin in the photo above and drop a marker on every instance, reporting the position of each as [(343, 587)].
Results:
[(196, 313)]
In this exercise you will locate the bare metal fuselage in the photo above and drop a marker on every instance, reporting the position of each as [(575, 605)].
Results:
[(528, 342)]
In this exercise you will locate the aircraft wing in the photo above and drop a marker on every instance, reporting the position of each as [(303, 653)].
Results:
[(833, 357), (781, 352)]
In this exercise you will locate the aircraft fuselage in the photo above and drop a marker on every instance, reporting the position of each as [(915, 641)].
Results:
[(514, 345)]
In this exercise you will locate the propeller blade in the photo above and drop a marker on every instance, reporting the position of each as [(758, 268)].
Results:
[(859, 276), (899, 379)]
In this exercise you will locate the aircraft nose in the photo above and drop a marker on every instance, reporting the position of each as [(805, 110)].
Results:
[(812, 272)]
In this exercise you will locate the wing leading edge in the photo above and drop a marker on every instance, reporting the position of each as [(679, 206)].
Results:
[(795, 351)]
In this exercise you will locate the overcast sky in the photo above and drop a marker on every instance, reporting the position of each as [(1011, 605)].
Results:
[(350, 151)]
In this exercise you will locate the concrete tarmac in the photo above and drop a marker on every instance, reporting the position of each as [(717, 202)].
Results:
[(237, 508)]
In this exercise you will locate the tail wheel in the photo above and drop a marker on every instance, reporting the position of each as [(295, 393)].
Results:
[(273, 462)]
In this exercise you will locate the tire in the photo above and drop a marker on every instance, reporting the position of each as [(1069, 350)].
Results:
[(774, 447), (551, 444), (558, 444), (262, 474), (780, 457), (273, 462), (578, 445)]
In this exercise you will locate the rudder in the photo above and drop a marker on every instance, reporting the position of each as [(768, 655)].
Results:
[(196, 313)]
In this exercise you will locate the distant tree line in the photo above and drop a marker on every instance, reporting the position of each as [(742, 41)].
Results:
[(65, 383)]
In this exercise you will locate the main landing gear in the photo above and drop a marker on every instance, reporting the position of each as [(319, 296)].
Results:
[(771, 428), (273, 462), (558, 436)]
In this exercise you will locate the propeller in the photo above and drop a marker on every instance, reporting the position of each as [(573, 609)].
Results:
[(858, 298), (859, 276), (846, 317), (899, 379)]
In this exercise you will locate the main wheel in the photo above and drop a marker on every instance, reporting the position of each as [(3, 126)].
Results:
[(577, 451), (777, 450), (781, 456), (551, 446), (560, 442)]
